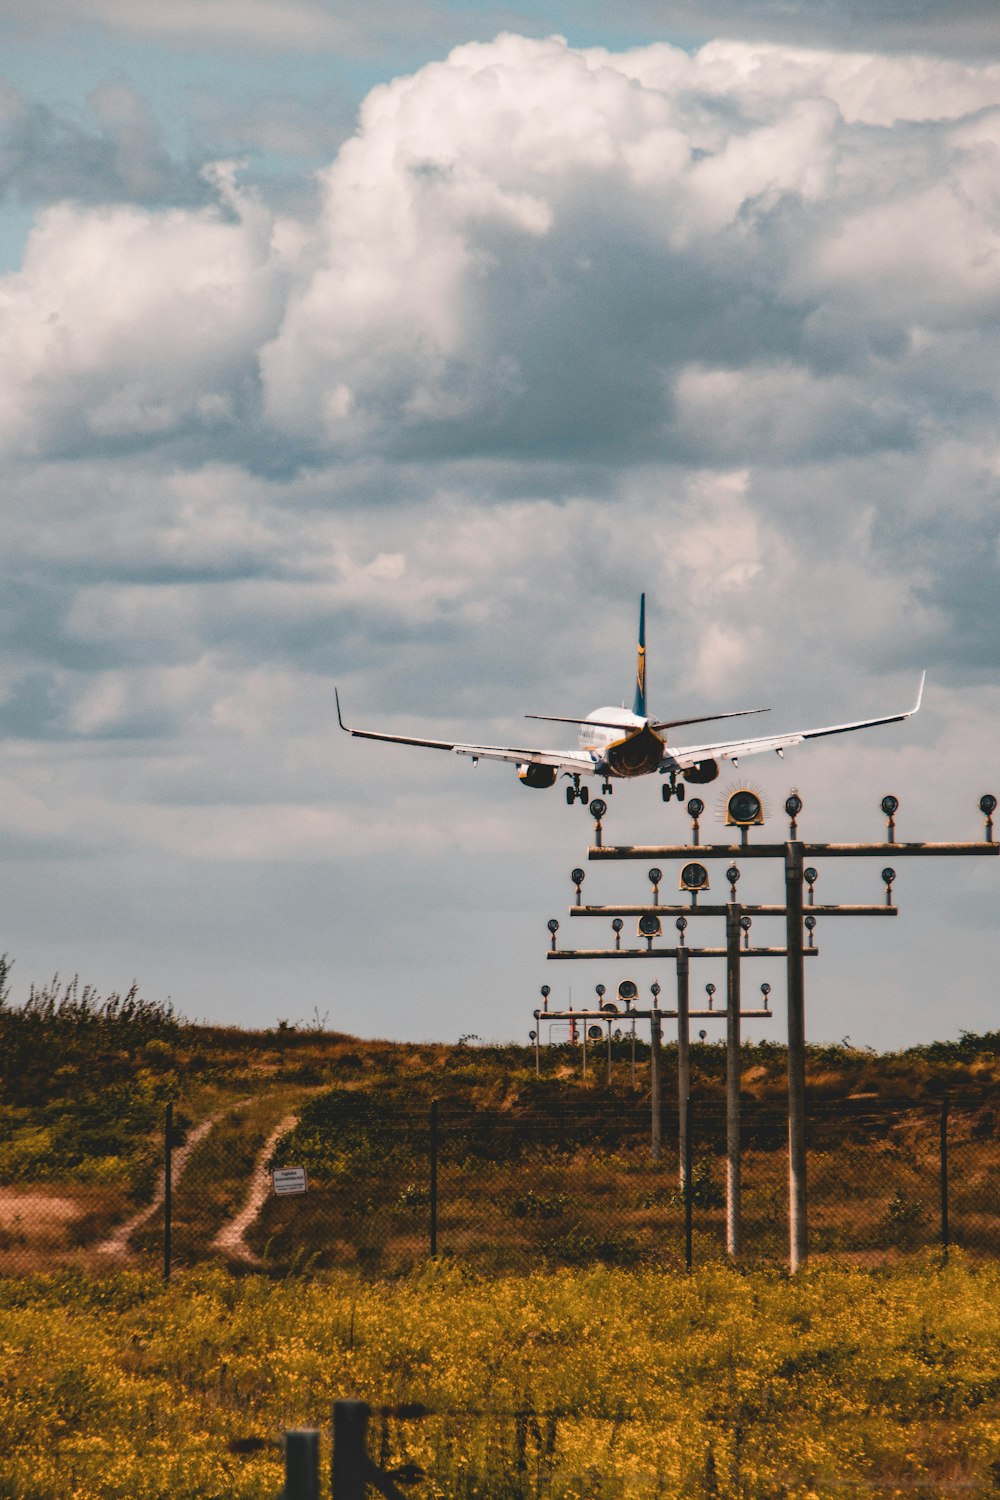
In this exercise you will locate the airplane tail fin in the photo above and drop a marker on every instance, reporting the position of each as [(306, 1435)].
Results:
[(639, 706)]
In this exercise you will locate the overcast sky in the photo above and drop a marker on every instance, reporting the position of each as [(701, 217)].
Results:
[(400, 347)]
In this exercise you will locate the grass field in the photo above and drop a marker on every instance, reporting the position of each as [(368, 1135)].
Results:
[(628, 1383)]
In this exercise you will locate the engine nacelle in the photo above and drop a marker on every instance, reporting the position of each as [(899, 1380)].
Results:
[(701, 771), (532, 774)]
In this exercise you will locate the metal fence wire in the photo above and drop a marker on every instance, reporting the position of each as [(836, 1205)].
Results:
[(567, 1182)]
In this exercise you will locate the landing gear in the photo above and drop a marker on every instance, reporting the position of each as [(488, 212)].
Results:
[(576, 791), (607, 788), (584, 795), (666, 791), (672, 788)]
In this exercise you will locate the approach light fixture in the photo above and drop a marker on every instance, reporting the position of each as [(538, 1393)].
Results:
[(696, 807), (595, 1033), (601, 990), (655, 876), (616, 928), (654, 990), (649, 926), (890, 805), (710, 992), (702, 1035), (694, 878), (553, 927), (628, 991), (598, 808), (681, 924), (987, 804), (578, 876), (744, 809), (793, 805), (546, 991)]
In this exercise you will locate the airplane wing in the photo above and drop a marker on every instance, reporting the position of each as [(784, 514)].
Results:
[(576, 761), (680, 757)]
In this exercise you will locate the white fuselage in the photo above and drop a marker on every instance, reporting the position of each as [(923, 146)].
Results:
[(597, 737)]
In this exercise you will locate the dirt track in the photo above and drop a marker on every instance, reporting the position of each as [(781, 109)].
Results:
[(231, 1237)]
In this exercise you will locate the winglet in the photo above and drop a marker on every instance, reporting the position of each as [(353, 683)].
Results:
[(340, 721), (920, 694)]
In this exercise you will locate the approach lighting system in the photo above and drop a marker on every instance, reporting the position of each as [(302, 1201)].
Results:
[(793, 806), (694, 878), (744, 809), (628, 992)]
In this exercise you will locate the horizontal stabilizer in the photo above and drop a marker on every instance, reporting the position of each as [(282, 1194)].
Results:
[(737, 713), (559, 719)]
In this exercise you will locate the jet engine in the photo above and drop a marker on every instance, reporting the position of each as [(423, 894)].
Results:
[(532, 774), (701, 771)]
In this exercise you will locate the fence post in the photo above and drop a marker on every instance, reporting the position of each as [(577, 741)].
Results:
[(688, 1186), (302, 1464), (945, 1228), (168, 1146), (434, 1178), (350, 1449)]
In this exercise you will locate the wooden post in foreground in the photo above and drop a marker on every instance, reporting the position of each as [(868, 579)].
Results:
[(350, 1449)]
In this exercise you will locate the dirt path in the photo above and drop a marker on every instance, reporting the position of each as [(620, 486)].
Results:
[(230, 1238), (117, 1241)]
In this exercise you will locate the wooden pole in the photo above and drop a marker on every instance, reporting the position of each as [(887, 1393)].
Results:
[(798, 1227), (734, 1221), (350, 1449), (168, 1147), (945, 1226), (655, 1102), (302, 1464), (683, 1061), (434, 1178)]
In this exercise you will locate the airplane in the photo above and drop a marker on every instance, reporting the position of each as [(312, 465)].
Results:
[(620, 744)]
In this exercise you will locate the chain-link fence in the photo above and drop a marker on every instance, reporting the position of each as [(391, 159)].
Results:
[(569, 1181)]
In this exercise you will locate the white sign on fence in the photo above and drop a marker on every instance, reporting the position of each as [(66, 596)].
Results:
[(289, 1180)]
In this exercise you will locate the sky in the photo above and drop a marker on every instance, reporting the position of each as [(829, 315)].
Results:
[(398, 348)]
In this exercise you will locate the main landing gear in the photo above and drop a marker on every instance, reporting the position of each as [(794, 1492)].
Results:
[(672, 788), (576, 791)]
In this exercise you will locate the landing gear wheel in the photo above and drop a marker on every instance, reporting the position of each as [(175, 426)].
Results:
[(679, 791), (584, 795), (666, 792), (570, 796)]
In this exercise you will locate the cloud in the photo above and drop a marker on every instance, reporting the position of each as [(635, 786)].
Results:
[(559, 325)]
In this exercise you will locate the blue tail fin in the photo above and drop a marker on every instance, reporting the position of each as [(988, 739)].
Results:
[(639, 706)]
